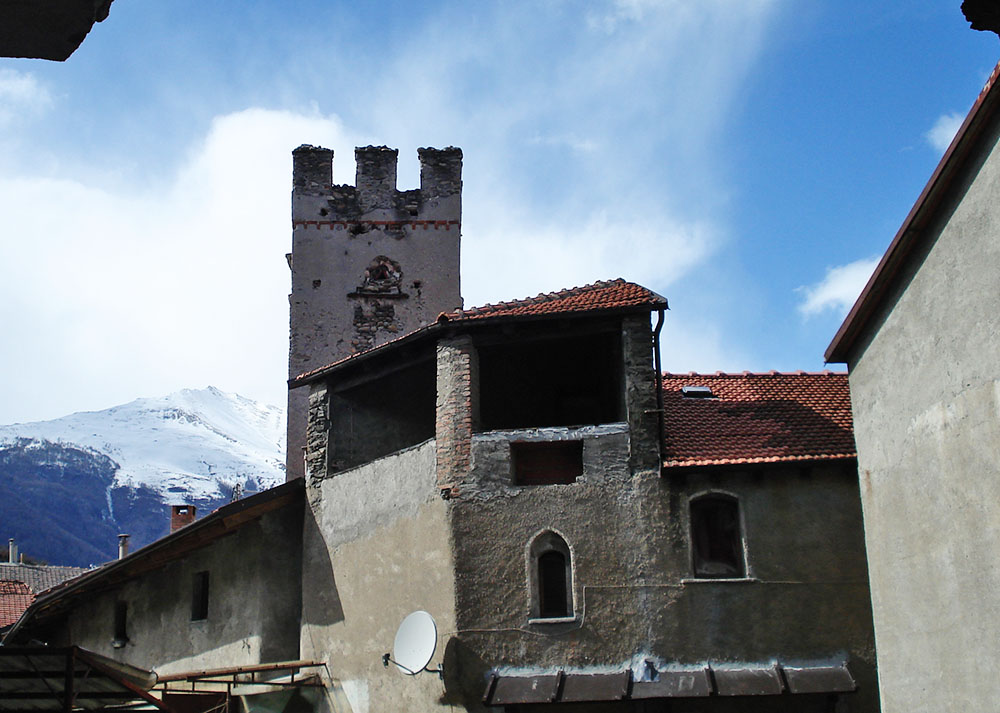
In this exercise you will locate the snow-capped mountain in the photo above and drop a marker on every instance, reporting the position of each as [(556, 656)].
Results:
[(69, 485), (196, 443)]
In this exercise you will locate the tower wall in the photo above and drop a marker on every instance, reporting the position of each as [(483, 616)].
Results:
[(369, 262)]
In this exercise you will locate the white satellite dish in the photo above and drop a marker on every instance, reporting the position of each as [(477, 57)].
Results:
[(416, 640)]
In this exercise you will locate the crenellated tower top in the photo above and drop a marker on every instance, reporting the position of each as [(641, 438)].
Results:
[(374, 195)]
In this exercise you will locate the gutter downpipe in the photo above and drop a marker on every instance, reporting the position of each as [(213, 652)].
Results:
[(659, 388)]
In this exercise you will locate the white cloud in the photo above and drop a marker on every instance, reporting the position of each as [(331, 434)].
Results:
[(109, 293), (21, 95), (838, 290), (105, 296), (940, 135)]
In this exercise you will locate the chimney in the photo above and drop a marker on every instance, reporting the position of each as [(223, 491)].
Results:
[(11, 551), (181, 515), (122, 546)]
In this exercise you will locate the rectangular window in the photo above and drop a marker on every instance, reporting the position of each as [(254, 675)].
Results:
[(199, 597), (546, 463), (716, 540)]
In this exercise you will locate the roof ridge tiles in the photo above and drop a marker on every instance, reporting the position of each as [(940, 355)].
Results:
[(736, 374)]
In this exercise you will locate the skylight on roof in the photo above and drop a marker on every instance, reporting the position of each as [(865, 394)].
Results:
[(697, 392)]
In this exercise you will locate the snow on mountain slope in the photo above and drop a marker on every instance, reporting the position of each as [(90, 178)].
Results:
[(189, 445)]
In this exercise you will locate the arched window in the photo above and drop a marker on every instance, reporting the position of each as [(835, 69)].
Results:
[(716, 537), (550, 575)]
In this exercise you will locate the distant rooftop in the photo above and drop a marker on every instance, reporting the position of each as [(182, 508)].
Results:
[(15, 597), (38, 577), (756, 418)]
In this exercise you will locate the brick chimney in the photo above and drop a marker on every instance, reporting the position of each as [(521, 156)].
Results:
[(181, 515)]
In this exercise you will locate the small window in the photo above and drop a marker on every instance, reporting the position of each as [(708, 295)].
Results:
[(551, 577), (199, 597), (552, 600), (121, 625), (716, 539), (546, 463)]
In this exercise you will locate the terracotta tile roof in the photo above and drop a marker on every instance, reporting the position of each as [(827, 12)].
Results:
[(15, 597), (757, 418), (604, 295), (608, 294), (38, 577)]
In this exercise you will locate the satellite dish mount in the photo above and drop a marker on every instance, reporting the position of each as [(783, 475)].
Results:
[(414, 646)]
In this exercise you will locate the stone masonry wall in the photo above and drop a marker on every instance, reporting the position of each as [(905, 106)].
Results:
[(640, 392)]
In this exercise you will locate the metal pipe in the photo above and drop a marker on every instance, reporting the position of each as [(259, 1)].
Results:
[(659, 388)]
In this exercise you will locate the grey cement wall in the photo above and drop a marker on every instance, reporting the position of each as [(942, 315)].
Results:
[(377, 546), (253, 613), (805, 598), (926, 400), (338, 231)]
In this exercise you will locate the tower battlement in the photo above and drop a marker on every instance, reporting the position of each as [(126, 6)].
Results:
[(374, 197)]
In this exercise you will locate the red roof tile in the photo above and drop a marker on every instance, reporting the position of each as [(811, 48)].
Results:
[(605, 295), (15, 597), (609, 294), (757, 418)]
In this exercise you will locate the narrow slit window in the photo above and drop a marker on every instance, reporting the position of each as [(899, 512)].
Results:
[(199, 597), (552, 585), (716, 538), (121, 625)]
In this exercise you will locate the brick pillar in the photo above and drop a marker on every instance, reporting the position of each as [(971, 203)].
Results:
[(317, 432), (640, 393), (457, 409)]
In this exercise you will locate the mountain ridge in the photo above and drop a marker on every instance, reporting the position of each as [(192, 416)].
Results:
[(69, 485)]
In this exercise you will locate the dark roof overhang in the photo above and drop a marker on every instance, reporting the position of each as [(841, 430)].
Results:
[(47, 29)]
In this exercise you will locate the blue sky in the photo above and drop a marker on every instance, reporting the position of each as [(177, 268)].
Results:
[(748, 159)]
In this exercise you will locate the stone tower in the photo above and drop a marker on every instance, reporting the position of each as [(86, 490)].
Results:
[(369, 263)]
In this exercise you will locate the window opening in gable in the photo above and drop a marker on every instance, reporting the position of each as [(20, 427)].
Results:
[(716, 538), (199, 597), (546, 463), (121, 625)]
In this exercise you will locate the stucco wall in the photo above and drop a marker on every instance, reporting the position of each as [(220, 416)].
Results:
[(926, 400), (805, 598), (377, 547), (253, 612)]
